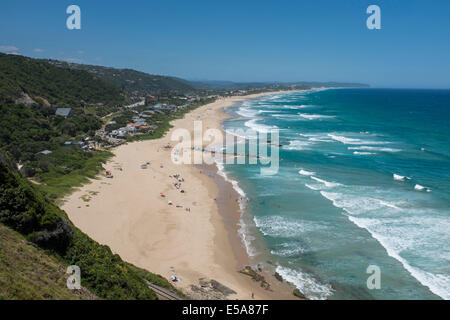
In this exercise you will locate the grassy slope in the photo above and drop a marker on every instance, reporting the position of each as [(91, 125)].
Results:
[(27, 272), (57, 184)]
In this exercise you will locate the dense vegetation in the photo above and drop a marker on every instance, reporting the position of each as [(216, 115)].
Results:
[(41, 80), (25, 131), (25, 209)]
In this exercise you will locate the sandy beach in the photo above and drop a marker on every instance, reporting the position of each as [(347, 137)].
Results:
[(194, 238)]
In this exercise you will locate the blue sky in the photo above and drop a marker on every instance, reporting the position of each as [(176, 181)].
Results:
[(246, 40)]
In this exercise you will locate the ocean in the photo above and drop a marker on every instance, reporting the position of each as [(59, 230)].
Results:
[(364, 180)]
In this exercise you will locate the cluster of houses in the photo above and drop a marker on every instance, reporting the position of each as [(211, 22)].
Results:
[(138, 124), (87, 144)]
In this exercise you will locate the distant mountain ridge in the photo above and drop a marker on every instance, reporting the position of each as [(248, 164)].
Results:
[(230, 85)]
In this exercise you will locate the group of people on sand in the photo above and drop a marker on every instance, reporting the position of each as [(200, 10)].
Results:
[(178, 181), (177, 185)]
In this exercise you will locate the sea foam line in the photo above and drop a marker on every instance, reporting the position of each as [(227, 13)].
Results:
[(381, 149), (326, 183), (310, 116), (354, 141), (243, 231), (259, 126)]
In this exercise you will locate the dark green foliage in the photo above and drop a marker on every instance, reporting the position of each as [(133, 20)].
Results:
[(40, 79), (25, 209), (25, 131), (30, 213), (103, 272)]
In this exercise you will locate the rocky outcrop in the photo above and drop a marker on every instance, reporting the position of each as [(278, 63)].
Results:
[(210, 289), (24, 99), (248, 270)]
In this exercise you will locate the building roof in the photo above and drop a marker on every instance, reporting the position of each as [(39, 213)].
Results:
[(64, 112)]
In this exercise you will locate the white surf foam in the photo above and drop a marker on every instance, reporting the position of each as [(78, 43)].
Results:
[(359, 153), (398, 234), (243, 231), (296, 145), (307, 285), (259, 126), (278, 226), (312, 187), (380, 149), (268, 111), (247, 112), (316, 137), (284, 116), (303, 106), (326, 183), (388, 204), (418, 187), (288, 250), (400, 178), (310, 116), (306, 173), (354, 141), (439, 284), (353, 204)]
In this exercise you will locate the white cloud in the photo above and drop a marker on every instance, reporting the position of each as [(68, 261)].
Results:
[(80, 52), (38, 50), (11, 49)]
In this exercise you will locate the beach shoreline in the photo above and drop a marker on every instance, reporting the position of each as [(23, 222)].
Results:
[(196, 238)]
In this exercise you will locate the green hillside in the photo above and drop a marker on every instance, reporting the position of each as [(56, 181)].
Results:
[(28, 125), (132, 81), (26, 210), (28, 272), (42, 80)]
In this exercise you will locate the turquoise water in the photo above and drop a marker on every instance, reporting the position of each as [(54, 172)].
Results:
[(364, 179)]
